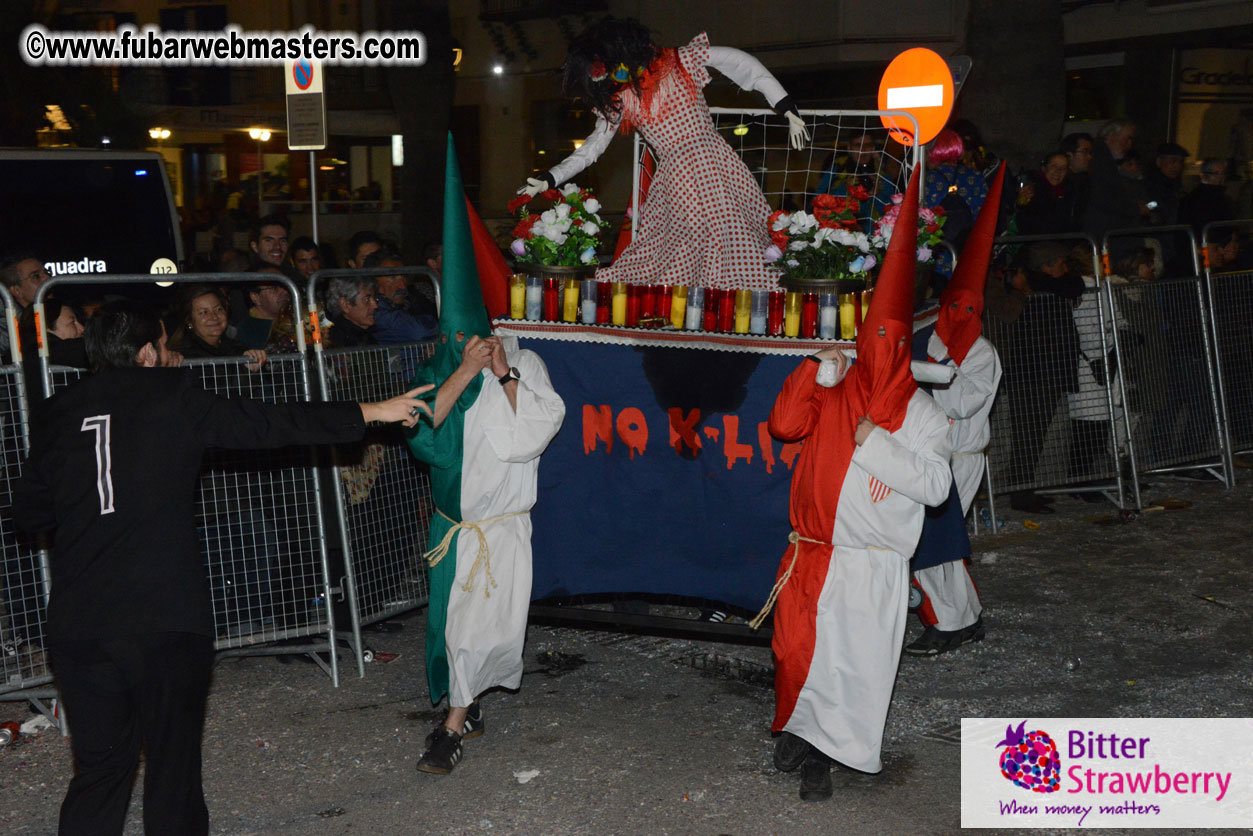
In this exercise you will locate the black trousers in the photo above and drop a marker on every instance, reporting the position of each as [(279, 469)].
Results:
[(122, 694)]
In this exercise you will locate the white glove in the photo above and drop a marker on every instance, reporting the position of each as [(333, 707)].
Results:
[(797, 134), (532, 187)]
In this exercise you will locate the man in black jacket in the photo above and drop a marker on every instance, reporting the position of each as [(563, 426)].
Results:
[(113, 468)]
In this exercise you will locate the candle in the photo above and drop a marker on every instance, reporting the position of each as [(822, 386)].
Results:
[(726, 311), (604, 301), (858, 312), (587, 296), (534, 296), (866, 296), (663, 300), (743, 309), (517, 296), (570, 300), (633, 304), (809, 316), (619, 303), (550, 300), (774, 313), (792, 314), (678, 305), (648, 301), (759, 311), (713, 301), (695, 309), (827, 315), (848, 317)]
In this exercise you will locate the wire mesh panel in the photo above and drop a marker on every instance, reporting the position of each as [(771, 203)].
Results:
[(1170, 389), (22, 572), (846, 149), (386, 493), (257, 518), (1233, 310), (1052, 425)]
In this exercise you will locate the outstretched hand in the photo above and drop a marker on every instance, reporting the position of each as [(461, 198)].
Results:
[(797, 133), (404, 409), (532, 187)]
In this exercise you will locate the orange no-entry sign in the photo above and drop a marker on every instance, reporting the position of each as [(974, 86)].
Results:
[(919, 82)]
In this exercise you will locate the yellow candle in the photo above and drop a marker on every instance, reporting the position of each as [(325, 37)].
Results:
[(678, 306), (743, 308), (792, 314), (517, 296), (619, 292), (848, 317), (570, 301)]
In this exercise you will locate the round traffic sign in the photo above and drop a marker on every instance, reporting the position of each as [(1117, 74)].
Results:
[(302, 73), (919, 82)]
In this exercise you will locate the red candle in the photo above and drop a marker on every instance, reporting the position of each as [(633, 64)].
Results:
[(648, 302), (726, 311), (774, 314), (634, 292), (552, 309), (713, 301), (604, 301), (663, 301), (857, 311), (809, 315)]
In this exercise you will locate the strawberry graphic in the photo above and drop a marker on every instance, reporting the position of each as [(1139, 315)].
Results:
[(1030, 759)]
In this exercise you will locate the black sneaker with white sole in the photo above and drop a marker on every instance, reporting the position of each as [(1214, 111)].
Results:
[(933, 642), (443, 753), (474, 725)]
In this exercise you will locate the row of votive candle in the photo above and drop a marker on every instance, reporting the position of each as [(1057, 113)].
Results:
[(826, 316)]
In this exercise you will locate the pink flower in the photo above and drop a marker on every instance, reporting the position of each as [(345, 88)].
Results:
[(773, 254), (518, 247)]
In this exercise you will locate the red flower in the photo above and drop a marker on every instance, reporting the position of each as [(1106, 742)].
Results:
[(859, 191), (825, 201), (827, 223), (523, 229), (517, 203), (779, 239), (550, 194), (939, 211), (932, 228)]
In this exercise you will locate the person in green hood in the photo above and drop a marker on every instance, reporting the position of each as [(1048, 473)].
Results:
[(495, 413)]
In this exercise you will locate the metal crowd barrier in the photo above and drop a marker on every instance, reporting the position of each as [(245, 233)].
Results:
[(259, 513), (1231, 310), (382, 495), (1057, 425), (1173, 400)]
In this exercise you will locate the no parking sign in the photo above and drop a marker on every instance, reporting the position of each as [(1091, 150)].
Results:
[(306, 106)]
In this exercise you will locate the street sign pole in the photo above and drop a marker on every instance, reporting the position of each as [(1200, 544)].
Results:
[(306, 121)]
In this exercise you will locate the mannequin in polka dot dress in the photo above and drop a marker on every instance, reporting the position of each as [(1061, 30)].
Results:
[(704, 222)]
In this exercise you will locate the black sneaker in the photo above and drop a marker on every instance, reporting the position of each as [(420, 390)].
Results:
[(443, 754), (474, 725), (974, 633), (816, 777), (933, 642), (790, 751)]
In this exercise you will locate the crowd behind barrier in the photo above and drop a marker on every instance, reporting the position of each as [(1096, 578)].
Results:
[(1137, 377)]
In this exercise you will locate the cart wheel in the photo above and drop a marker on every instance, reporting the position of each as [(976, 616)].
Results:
[(367, 654), (915, 597)]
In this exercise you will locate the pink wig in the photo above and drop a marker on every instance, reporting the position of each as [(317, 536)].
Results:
[(947, 149)]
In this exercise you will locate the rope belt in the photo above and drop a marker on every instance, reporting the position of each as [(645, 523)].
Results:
[(795, 538), (435, 555)]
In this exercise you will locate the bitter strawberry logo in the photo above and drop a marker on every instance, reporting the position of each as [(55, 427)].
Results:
[(1030, 759)]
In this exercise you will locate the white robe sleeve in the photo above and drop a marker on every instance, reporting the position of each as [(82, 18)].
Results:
[(975, 383), (920, 471), (746, 71), (522, 435), (588, 153)]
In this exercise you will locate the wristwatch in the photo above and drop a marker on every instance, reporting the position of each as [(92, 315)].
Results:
[(512, 374)]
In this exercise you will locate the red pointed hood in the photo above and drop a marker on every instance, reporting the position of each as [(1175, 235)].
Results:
[(880, 383), (960, 321)]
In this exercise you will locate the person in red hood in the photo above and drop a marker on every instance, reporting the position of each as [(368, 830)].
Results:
[(951, 612), (876, 451)]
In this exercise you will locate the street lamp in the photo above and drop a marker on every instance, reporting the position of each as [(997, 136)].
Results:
[(159, 134), (260, 135)]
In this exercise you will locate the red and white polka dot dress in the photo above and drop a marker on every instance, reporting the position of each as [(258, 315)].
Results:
[(704, 220)]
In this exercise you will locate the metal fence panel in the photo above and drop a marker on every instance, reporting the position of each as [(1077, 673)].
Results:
[(1233, 311), (1172, 403), (23, 571), (1052, 425), (385, 493)]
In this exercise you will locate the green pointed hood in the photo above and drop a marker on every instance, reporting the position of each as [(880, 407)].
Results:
[(461, 297)]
